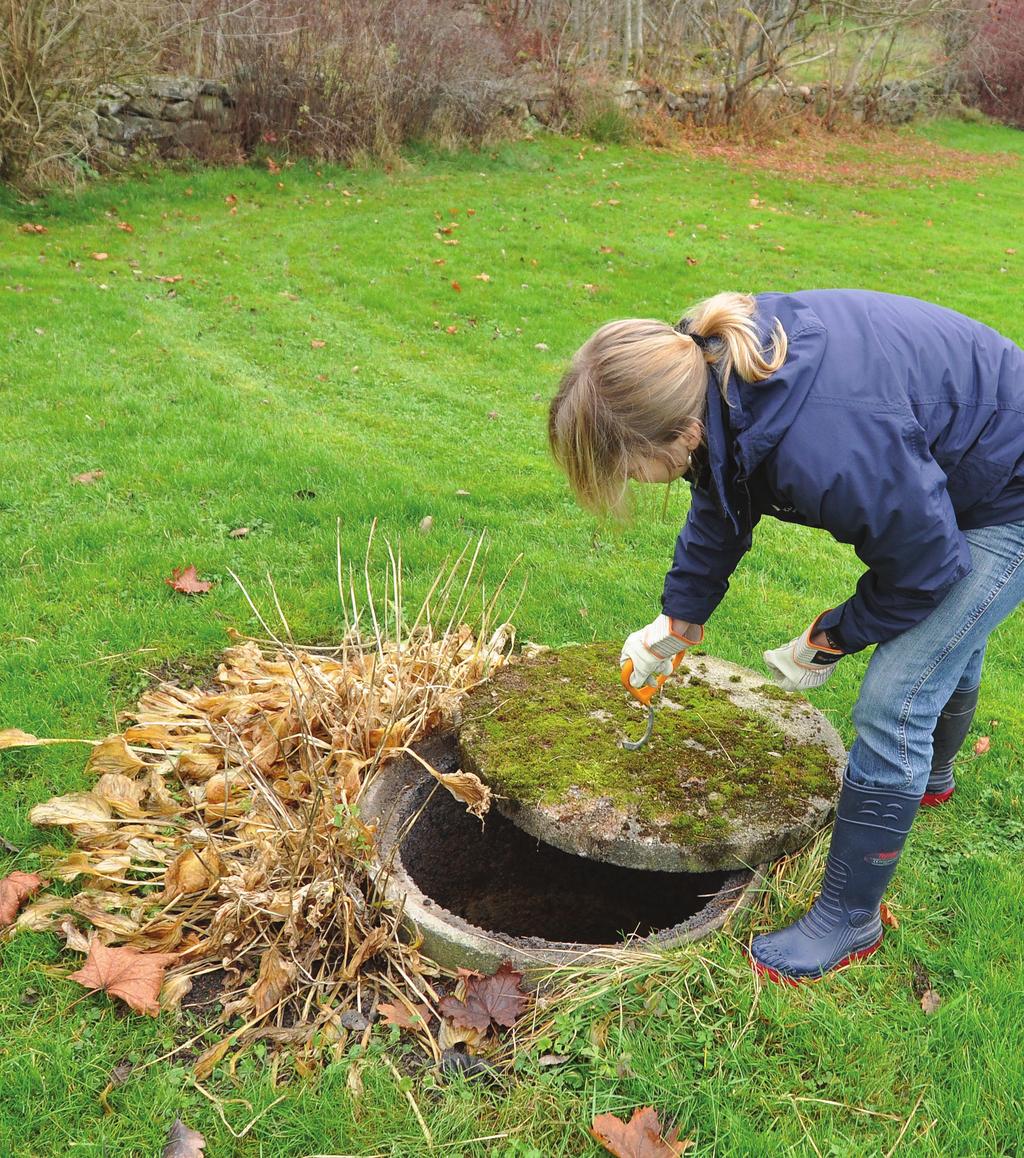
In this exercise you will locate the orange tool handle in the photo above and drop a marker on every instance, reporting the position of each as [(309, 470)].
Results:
[(646, 693)]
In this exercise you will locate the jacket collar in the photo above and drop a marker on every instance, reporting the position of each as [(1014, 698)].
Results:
[(742, 432)]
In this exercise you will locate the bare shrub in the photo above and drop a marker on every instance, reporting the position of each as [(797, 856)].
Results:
[(342, 80), (994, 73), (54, 55)]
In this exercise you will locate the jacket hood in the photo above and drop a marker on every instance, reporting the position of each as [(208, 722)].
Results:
[(742, 432)]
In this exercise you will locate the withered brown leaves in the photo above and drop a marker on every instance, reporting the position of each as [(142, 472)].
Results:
[(982, 745), (183, 1142), (497, 998), (641, 1137), (401, 1016), (185, 580), (15, 888), (930, 1001), (122, 972)]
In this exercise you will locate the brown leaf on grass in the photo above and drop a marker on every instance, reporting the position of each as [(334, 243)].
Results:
[(16, 738), (89, 477), (122, 972), (982, 745), (31, 227), (497, 998), (456, 287), (113, 755), (84, 813), (317, 343), (16, 888), (185, 580), (125, 227), (482, 277), (99, 256), (930, 1001), (641, 1137), (886, 914), (399, 1015), (238, 533), (170, 279), (183, 1142)]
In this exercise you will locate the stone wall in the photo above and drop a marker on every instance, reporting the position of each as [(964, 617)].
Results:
[(896, 102), (181, 116), (178, 116)]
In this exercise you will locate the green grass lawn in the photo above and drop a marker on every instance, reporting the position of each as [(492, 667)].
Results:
[(302, 372)]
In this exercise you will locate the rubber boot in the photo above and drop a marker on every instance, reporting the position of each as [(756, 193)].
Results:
[(843, 924), (951, 730)]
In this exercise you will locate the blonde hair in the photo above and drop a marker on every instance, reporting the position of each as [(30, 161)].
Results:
[(634, 386)]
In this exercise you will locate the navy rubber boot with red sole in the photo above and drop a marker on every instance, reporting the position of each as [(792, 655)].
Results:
[(951, 730), (844, 923)]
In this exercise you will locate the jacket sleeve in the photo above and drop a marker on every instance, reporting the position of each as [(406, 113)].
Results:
[(706, 554), (887, 497)]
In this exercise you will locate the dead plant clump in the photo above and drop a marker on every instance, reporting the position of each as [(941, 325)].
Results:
[(223, 829)]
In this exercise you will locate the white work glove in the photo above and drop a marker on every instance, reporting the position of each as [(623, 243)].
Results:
[(800, 665), (653, 648)]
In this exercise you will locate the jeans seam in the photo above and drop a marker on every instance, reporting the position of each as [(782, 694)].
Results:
[(901, 729)]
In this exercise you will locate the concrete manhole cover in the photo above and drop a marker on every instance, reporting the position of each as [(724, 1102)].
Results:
[(737, 773)]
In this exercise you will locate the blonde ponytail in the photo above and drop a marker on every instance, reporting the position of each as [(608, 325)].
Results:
[(729, 317)]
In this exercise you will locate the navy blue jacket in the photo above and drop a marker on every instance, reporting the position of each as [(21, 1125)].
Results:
[(895, 425)]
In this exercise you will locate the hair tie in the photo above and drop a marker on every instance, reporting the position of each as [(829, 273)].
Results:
[(699, 340)]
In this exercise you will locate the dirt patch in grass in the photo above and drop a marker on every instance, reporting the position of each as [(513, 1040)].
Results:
[(850, 155)]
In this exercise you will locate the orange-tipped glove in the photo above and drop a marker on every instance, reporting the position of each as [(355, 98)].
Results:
[(653, 648), (800, 665)]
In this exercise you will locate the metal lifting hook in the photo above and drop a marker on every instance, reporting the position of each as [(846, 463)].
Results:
[(646, 696)]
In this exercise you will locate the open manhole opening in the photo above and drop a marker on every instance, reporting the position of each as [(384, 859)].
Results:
[(498, 878)]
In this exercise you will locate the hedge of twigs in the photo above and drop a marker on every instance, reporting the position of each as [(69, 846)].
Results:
[(223, 826)]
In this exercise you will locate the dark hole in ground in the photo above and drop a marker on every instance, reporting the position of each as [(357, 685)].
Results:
[(501, 879)]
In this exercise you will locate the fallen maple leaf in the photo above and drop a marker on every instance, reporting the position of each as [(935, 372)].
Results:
[(497, 998), (183, 1142), (185, 580), (15, 888), (400, 1016), (930, 1001), (640, 1138), (317, 343), (29, 227), (982, 745), (456, 287), (89, 477), (125, 227), (122, 972)]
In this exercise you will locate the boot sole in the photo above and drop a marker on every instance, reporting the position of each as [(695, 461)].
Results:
[(933, 799), (786, 979)]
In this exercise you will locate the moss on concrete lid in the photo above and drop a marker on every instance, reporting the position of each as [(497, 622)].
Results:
[(736, 773)]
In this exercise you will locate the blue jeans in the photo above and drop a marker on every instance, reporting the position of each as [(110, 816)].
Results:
[(910, 678)]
